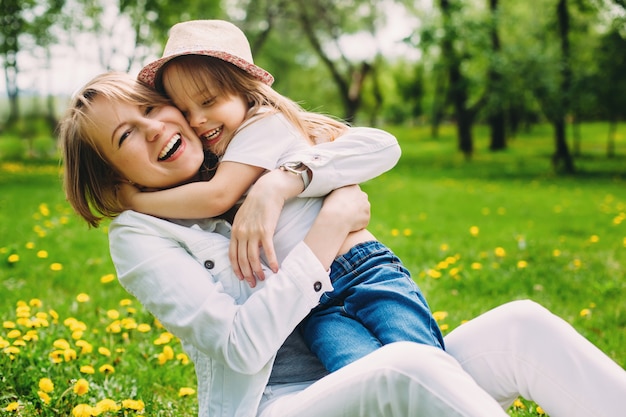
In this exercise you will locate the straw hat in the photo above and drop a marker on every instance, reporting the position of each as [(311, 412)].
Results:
[(216, 38)]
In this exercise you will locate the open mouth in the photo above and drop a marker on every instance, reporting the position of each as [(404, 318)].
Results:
[(209, 136), (171, 147)]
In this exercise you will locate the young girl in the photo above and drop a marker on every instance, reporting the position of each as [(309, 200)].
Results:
[(207, 72)]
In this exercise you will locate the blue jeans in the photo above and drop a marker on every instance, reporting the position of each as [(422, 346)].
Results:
[(375, 302)]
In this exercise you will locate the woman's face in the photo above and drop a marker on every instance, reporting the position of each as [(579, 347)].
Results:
[(152, 147)]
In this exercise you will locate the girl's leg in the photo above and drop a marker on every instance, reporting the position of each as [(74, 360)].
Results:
[(400, 379), (521, 348)]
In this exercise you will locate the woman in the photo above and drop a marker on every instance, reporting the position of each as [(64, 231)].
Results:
[(247, 360)]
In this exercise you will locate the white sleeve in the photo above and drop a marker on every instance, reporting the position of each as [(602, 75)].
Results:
[(353, 158), (163, 265)]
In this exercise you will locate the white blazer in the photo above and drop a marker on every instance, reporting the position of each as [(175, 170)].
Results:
[(182, 275)]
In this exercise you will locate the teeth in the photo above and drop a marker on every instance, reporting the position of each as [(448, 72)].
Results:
[(165, 151), (212, 133)]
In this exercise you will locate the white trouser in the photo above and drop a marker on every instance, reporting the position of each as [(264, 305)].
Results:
[(516, 349)]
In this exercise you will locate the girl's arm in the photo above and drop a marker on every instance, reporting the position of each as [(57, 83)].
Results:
[(162, 264), (197, 200)]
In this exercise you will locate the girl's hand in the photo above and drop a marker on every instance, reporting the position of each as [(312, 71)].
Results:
[(350, 205)]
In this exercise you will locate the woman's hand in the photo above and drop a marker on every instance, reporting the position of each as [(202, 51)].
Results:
[(255, 223)]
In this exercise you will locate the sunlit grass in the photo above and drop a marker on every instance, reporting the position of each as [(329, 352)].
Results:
[(474, 235)]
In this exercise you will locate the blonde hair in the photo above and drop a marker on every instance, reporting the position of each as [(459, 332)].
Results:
[(229, 79), (89, 180)]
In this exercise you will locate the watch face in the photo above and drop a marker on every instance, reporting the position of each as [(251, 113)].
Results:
[(298, 166)]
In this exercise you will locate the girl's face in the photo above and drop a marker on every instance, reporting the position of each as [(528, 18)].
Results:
[(214, 117), (151, 147)]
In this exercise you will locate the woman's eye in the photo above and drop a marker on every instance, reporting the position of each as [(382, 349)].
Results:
[(147, 110), (124, 136), (208, 101)]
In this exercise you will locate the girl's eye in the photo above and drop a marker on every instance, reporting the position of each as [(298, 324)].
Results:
[(147, 110), (208, 101)]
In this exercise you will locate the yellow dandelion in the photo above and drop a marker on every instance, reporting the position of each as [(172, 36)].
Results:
[(519, 404), (143, 328), (522, 264), (113, 314), (87, 369), (106, 369), (434, 273), (44, 210), (83, 410), (474, 230), (82, 298), (444, 247), (407, 232), (585, 312), (183, 358), (12, 406), (540, 411), (440, 315), (85, 347), (43, 254), (81, 387), (69, 355), (125, 302), (46, 385), (556, 253), (444, 327), (485, 211), (476, 266), (501, 211), (395, 232), (56, 266), (185, 392), (8, 324), (14, 334), (105, 279), (30, 245), (107, 405), (168, 352), (61, 344), (454, 273), (136, 405), (104, 351), (499, 252), (594, 239), (161, 358), (44, 397), (13, 258), (35, 302)]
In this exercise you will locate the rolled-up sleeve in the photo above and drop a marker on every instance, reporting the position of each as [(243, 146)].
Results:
[(157, 262), (355, 157)]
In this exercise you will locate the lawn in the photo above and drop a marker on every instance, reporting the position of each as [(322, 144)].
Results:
[(474, 234)]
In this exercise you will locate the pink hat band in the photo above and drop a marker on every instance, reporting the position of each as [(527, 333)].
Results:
[(215, 38)]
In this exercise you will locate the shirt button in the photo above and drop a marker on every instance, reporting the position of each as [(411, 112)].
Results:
[(209, 264), (317, 286)]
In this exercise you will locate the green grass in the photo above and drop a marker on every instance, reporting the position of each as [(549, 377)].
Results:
[(474, 235)]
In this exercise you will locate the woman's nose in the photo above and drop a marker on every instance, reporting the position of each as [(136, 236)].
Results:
[(154, 130)]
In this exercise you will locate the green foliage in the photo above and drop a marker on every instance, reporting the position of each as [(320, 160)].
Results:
[(473, 234)]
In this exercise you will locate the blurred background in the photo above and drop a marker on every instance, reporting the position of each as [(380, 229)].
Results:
[(503, 64)]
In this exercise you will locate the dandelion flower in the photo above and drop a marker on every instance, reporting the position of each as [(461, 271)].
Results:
[(168, 352), (594, 239), (474, 230), (105, 279), (106, 405), (395, 232), (185, 392), (540, 411), (519, 404), (44, 397), (81, 387), (12, 406), (83, 410), (61, 344), (585, 312), (499, 252), (440, 315), (35, 302), (82, 298), (522, 264), (104, 351), (136, 405), (13, 258), (183, 358), (106, 369), (143, 328), (46, 385), (43, 254), (56, 266), (87, 369), (476, 266)]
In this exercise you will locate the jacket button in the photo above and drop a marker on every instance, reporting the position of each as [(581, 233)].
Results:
[(209, 264), (317, 286)]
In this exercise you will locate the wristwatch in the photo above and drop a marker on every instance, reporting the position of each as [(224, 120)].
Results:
[(298, 168)]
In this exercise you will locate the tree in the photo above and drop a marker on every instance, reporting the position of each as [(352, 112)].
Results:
[(13, 25), (496, 117)]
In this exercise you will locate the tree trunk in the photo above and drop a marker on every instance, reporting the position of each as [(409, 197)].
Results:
[(497, 119), (610, 144), (562, 159)]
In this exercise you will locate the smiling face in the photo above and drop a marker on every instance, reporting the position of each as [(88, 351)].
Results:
[(151, 147), (214, 112)]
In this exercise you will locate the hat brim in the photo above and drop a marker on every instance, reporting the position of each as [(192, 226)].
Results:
[(149, 73)]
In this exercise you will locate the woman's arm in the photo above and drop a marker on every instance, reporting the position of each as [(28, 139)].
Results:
[(355, 157), (196, 200), (163, 265)]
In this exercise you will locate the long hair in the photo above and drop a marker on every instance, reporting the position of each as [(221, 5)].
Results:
[(229, 79), (89, 180)]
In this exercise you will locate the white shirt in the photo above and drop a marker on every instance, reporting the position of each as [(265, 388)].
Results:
[(182, 275)]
